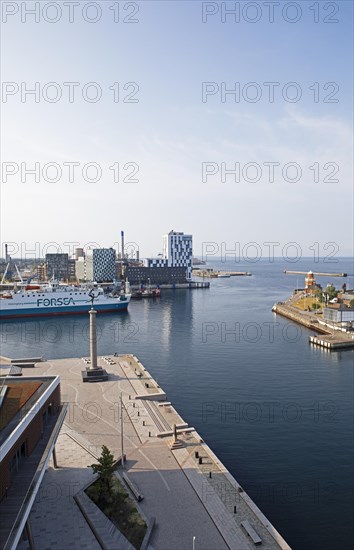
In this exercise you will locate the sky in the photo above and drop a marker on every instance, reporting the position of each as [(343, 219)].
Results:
[(131, 126)]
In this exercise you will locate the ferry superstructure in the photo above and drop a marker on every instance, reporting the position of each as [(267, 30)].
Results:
[(55, 299)]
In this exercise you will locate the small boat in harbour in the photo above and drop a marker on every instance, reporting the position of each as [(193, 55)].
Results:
[(151, 293)]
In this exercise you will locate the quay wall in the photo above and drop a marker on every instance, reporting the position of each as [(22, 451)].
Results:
[(285, 311)]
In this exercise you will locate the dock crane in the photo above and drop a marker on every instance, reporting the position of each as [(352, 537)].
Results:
[(5, 273)]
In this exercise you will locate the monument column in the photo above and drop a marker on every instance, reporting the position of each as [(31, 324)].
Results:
[(93, 340), (92, 372)]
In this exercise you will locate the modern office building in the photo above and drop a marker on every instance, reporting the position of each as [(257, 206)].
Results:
[(72, 270), (99, 265), (140, 275), (177, 252), (84, 269), (104, 264), (79, 253), (156, 262), (178, 249), (57, 266), (41, 272)]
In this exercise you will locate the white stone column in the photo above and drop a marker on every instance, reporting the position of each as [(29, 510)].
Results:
[(93, 340)]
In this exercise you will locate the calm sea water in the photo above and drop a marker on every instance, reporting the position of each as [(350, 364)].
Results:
[(277, 412)]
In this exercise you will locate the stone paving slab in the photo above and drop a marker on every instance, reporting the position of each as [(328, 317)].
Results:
[(171, 483), (169, 497), (233, 535), (55, 518)]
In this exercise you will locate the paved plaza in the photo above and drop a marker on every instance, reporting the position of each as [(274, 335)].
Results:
[(178, 491)]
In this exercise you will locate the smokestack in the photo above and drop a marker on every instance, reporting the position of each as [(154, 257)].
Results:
[(122, 237), (6, 254)]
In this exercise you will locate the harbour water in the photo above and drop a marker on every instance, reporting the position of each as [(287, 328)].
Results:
[(277, 411)]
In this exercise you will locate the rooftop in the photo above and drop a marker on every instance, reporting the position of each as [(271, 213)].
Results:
[(21, 395)]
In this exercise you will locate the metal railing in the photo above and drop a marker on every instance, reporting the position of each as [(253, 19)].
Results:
[(22, 516)]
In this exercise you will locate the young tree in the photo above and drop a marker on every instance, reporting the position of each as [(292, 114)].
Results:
[(105, 468), (331, 292)]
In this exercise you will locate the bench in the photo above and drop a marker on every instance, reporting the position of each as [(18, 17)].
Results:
[(251, 532), (15, 370), (109, 361), (24, 365), (139, 497)]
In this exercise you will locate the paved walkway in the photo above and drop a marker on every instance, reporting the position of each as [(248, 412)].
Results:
[(56, 520), (176, 489), (20, 484)]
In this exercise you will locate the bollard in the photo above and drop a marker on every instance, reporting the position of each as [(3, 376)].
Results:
[(133, 405), (196, 454), (210, 475), (143, 422), (149, 434), (138, 413), (235, 511)]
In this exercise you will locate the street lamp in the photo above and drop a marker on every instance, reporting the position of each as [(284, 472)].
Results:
[(121, 429)]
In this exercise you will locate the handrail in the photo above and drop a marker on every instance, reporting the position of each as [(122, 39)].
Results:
[(21, 518)]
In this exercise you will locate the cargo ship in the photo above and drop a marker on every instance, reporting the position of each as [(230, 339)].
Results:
[(55, 299)]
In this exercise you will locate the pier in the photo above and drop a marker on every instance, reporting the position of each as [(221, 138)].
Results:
[(186, 489), (331, 338), (330, 342), (211, 274), (316, 273)]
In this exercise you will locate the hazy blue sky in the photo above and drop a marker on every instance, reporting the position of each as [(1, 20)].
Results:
[(169, 52)]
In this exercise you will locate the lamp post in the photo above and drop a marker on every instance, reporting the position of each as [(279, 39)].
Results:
[(121, 429)]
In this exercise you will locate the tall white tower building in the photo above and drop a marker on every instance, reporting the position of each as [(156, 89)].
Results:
[(178, 251)]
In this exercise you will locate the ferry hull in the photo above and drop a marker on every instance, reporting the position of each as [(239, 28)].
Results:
[(52, 312)]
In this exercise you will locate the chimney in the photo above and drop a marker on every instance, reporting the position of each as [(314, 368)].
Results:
[(122, 237)]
